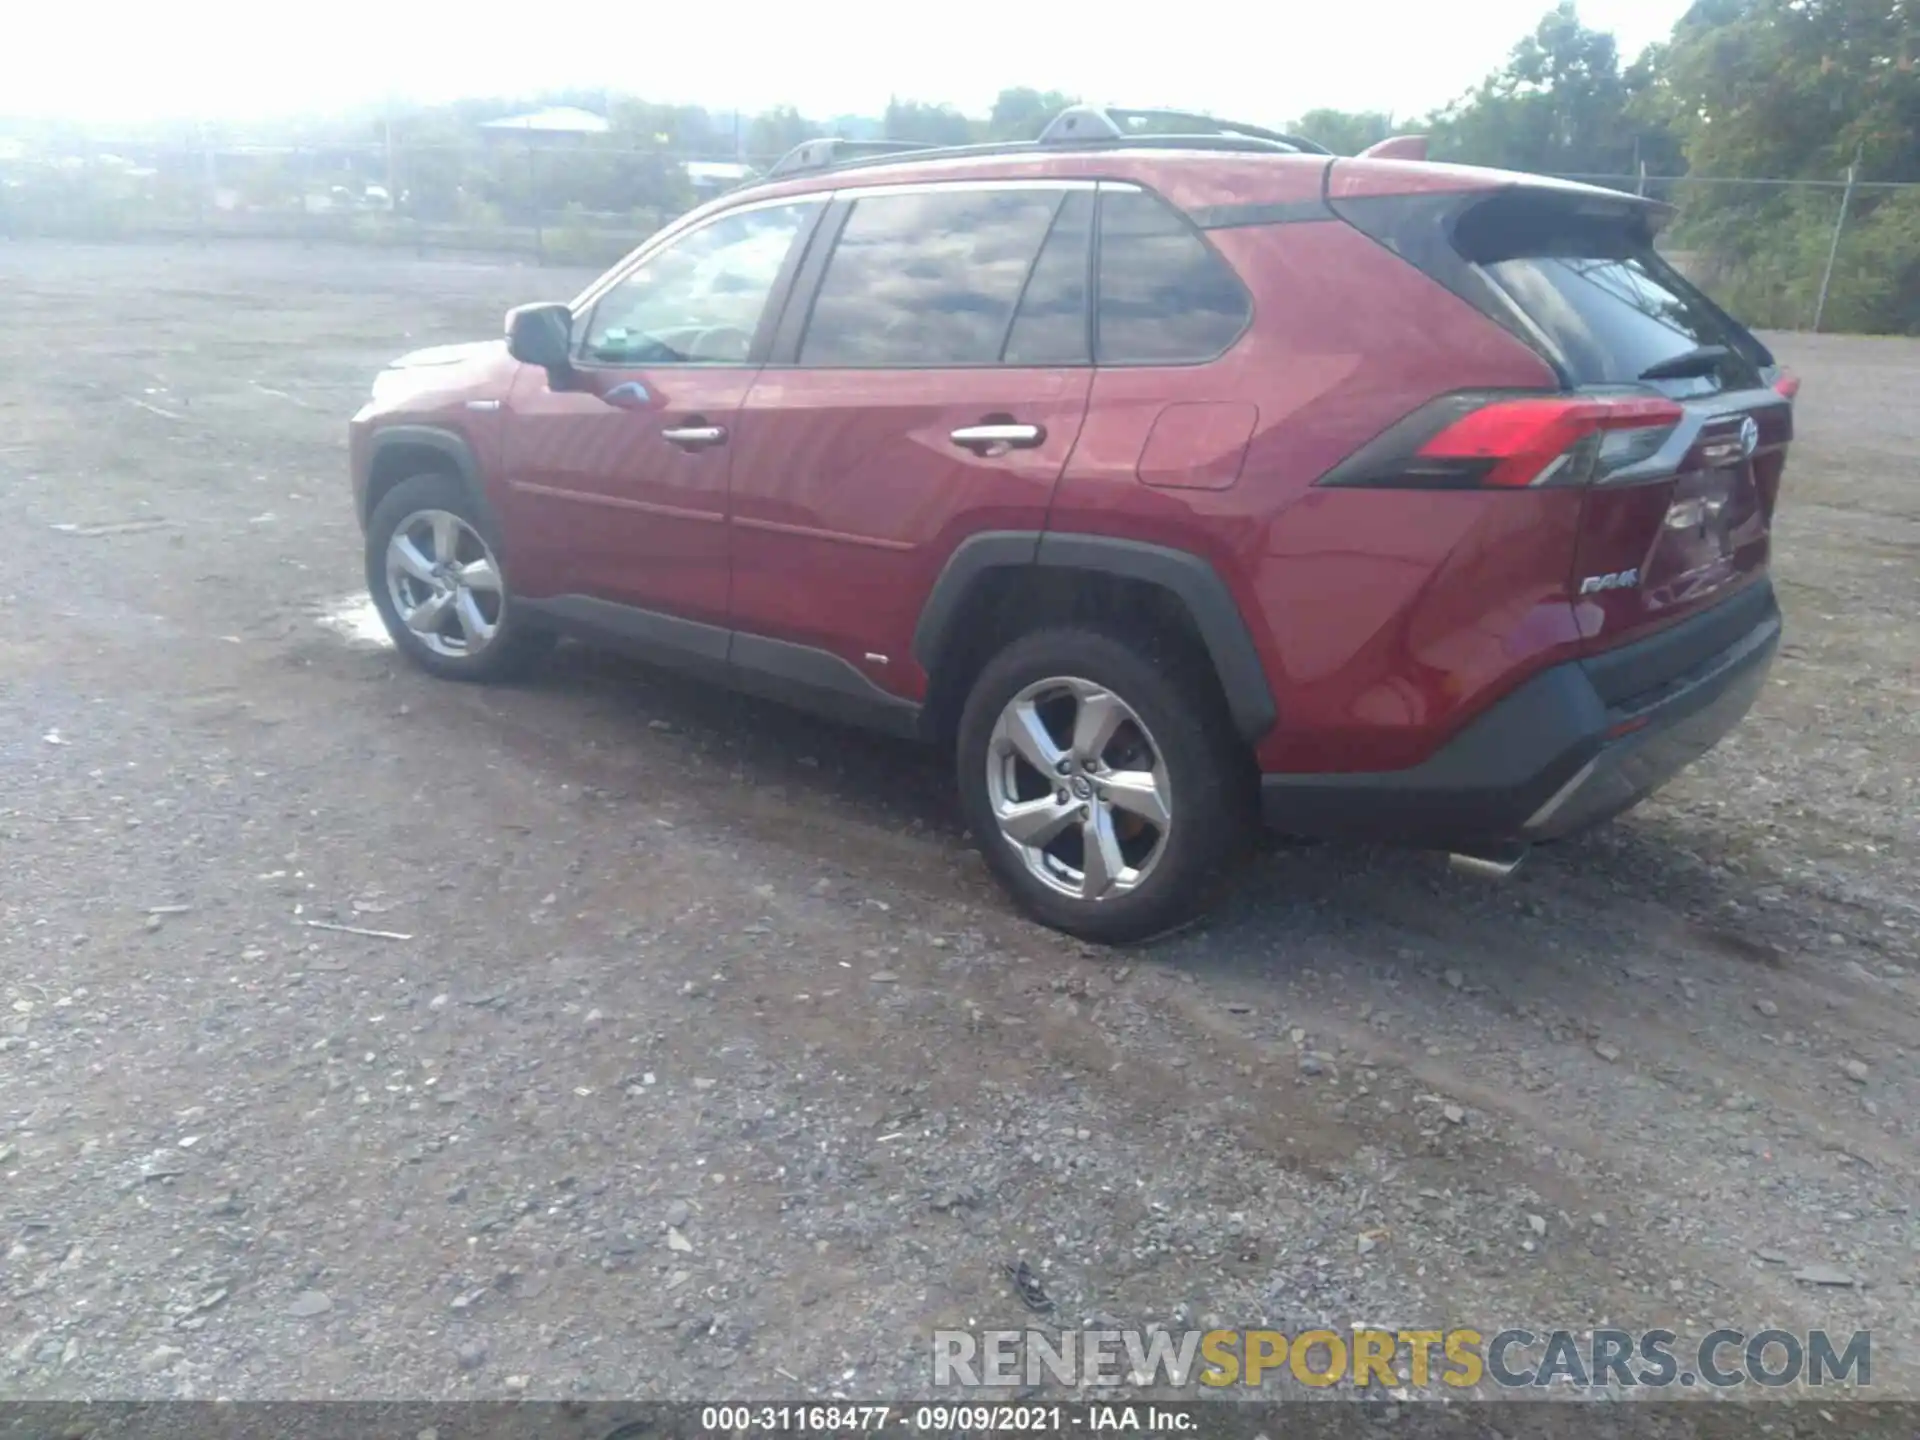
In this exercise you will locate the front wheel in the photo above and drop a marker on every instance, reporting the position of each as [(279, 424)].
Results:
[(434, 572), (1102, 783)]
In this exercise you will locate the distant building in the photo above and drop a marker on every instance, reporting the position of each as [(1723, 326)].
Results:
[(560, 122), (717, 174)]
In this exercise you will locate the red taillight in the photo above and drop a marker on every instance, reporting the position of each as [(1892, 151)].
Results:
[(1788, 384), (1544, 441)]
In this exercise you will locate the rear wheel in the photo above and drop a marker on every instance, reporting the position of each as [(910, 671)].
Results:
[(433, 570), (1102, 783)]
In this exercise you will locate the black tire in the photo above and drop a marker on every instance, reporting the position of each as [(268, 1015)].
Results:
[(1208, 772), (517, 642)]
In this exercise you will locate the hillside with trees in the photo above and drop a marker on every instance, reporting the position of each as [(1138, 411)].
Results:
[(1743, 92), (1754, 90)]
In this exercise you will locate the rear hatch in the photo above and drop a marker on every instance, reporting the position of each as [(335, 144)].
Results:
[(1681, 468)]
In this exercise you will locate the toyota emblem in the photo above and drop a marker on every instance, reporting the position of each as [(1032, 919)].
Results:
[(1749, 435)]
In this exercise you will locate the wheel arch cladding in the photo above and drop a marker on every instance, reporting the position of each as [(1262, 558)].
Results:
[(399, 452), (1187, 578)]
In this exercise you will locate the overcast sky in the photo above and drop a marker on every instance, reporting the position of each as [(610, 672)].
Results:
[(125, 60)]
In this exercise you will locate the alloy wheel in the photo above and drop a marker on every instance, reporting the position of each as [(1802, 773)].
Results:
[(444, 583), (1079, 788)]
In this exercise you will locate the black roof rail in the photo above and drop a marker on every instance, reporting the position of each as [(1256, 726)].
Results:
[(1079, 127), (1080, 123), (832, 151)]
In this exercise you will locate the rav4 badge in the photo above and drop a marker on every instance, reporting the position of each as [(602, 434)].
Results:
[(1619, 580)]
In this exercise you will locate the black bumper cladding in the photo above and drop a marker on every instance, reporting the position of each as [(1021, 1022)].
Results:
[(1573, 746)]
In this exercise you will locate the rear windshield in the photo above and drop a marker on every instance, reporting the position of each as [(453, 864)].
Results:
[(1612, 307)]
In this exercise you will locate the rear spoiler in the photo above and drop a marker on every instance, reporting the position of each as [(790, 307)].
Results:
[(1397, 147)]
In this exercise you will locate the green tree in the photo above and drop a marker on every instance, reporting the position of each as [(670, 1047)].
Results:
[(1021, 113), (1345, 132), (1655, 116), (927, 124), (1560, 105), (1797, 89), (776, 131)]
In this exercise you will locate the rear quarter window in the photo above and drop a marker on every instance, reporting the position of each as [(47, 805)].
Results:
[(1165, 296)]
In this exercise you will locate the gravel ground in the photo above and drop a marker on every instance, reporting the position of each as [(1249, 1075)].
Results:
[(704, 1058)]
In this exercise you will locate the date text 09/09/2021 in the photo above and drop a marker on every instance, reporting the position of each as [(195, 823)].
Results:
[(942, 1419)]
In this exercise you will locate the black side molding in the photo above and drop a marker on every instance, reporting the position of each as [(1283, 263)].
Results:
[(662, 639), (797, 675), (818, 681), (1191, 579)]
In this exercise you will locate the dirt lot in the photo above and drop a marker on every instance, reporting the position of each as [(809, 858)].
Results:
[(713, 1064)]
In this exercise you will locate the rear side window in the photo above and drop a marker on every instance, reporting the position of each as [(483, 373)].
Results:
[(1165, 297), (927, 278)]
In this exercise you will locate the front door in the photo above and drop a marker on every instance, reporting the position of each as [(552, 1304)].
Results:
[(617, 477), (936, 392)]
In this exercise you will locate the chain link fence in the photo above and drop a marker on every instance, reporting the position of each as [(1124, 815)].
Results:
[(1840, 253), (554, 203), (1836, 254)]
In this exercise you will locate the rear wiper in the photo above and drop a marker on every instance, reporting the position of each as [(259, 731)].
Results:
[(1701, 360)]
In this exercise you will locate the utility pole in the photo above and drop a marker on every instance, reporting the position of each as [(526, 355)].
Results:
[(1839, 224), (533, 189), (206, 192), (393, 182)]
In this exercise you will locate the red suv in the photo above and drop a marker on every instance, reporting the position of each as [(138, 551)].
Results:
[(1171, 480)]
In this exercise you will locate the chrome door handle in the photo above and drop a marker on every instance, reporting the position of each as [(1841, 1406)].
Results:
[(998, 439), (695, 437)]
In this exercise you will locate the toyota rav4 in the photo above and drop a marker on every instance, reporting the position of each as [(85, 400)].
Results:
[(1170, 481)]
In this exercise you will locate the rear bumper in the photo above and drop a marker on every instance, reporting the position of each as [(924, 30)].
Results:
[(1575, 745)]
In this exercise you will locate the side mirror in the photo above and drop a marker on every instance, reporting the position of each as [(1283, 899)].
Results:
[(542, 335)]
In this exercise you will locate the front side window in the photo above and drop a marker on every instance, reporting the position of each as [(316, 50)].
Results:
[(699, 300), (927, 278), (1165, 297)]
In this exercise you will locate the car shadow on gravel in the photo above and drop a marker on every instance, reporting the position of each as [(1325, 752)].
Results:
[(1287, 890), (1636, 889), (855, 770)]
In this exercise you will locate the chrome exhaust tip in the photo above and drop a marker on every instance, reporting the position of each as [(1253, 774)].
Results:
[(1494, 866)]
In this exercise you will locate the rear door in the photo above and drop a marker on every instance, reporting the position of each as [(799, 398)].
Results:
[(1676, 519), (928, 383)]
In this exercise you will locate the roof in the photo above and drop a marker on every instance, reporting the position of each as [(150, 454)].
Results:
[(559, 120)]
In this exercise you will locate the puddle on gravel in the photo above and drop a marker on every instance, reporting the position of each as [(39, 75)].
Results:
[(356, 621)]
